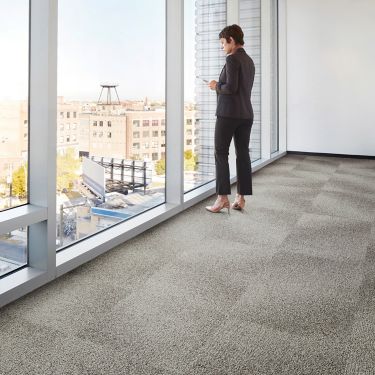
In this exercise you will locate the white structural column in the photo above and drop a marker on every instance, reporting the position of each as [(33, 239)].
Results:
[(175, 102), (233, 17), (233, 12), (40, 214), (266, 79), (42, 137), (282, 75)]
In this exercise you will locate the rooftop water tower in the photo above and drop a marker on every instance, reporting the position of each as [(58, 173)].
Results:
[(110, 89)]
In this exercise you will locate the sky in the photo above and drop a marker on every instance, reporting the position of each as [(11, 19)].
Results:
[(14, 49), (112, 41)]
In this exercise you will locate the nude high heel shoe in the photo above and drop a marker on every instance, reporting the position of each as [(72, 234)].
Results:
[(239, 203), (218, 206)]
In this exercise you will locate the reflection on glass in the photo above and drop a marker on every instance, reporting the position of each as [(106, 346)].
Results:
[(14, 127), (203, 62), (111, 114), (250, 22), (13, 250)]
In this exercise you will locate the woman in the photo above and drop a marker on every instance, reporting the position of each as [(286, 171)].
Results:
[(234, 118)]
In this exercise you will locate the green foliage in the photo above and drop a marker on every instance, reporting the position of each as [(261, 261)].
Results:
[(19, 186), (190, 162), (160, 167), (67, 167), (188, 154)]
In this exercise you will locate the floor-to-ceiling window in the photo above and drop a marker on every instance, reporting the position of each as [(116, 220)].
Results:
[(14, 126), (203, 61), (110, 114), (250, 21), (104, 130)]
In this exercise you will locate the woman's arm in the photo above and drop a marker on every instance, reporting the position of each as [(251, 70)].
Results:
[(232, 69)]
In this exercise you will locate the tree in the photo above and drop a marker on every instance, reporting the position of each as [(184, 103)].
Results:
[(160, 167), (19, 178), (190, 161), (67, 167)]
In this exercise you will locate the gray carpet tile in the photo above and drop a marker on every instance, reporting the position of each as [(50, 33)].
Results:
[(367, 292), (314, 177), (292, 178), (305, 169), (68, 306), (179, 307), (286, 286), (332, 237), (357, 171), (239, 347), (303, 295), (262, 227), (287, 174), (285, 198), (25, 350), (344, 182), (100, 284), (292, 159), (361, 348), (356, 206), (320, 166), (277, 168), (357, 164)]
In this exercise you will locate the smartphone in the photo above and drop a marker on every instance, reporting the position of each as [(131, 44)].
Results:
[(204, 80)]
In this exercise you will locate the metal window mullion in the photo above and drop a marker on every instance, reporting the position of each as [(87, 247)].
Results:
[(20, 217), (174, 101), (42, 114), (266, 84), (282, 86)]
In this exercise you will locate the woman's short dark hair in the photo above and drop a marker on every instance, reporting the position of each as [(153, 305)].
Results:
[(233, 31)]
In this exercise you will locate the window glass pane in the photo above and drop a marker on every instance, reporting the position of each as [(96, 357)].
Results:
[(13, 250), (250, 21), (111, 81), (274, 78), (14, 125), (204, 19)]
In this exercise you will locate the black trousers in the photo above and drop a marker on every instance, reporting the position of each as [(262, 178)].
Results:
[(225, 130)]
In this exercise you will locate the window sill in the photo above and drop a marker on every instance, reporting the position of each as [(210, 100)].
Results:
[(99, 243)]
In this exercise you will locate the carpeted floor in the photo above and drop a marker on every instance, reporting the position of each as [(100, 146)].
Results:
[(285, 287)]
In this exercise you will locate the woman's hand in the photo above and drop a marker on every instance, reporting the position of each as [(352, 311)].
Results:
[(212, 85)]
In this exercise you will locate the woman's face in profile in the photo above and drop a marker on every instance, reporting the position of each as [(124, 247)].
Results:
[(227, 47)]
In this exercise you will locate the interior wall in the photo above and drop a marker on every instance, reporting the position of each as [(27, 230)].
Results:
[(331, 76)]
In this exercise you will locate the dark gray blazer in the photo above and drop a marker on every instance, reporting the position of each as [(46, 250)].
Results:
[(235, 85)]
